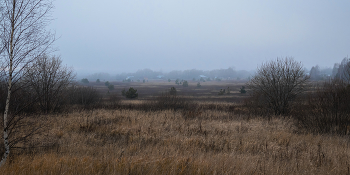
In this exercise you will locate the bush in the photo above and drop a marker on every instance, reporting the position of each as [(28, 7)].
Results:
[(85, 80), (185, 84), (131, 93), (167, 101), (172, 91), (86, 96), (144, 81), (242, 90), (199, 85), (98, 81), (124, 92), (327, 110), (221, 92), (177, 81), (277, 84), (111, 87), (169, 80), (107, 83), (48, 79)]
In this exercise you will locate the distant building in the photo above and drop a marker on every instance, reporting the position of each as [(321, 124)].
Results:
[(129, 77)]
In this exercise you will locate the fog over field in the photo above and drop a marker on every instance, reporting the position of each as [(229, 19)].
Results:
[(126, 36)]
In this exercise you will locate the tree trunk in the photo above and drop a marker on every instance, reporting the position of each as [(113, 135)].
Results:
[(9, 87), (6, 142)]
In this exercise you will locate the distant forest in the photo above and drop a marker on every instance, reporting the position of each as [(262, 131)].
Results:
[(339, 71), (228, 73)]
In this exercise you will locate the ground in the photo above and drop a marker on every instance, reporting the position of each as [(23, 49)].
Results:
[(190, 141)]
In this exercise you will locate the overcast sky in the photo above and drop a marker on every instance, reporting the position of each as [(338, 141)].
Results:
[(117, 36)]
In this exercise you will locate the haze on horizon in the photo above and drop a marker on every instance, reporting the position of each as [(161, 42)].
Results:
[(125, 36)]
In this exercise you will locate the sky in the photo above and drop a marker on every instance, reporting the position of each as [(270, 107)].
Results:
[(116, 36)]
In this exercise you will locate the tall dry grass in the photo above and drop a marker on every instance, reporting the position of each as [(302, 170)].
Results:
[(210, 141)]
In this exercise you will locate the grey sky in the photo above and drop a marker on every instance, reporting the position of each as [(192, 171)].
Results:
[(126, 35)]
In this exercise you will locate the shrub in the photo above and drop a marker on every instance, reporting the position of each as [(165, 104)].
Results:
[(185, 84), (85, 80), (98, 81), (277, 84), (169, 80), (221, 92), (124, 92), (242, 90), (48, 79), (111, 87), (327, 110), (177, 81), (144, 81), (131, 93), (199, 85), (107, 83), (85, 96), (172, 91), (167, 101)]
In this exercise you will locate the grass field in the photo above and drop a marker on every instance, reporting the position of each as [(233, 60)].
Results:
[(191, 141)]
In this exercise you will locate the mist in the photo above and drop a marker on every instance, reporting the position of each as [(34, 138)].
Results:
[(126, 36)]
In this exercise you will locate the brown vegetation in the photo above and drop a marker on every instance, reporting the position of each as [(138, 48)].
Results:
[(182, 137), (164, 142)]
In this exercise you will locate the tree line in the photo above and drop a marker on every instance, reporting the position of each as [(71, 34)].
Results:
[(185, 74), (339, 71)]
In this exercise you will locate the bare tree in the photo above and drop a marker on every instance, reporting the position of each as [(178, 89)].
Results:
[(23, 39), (49, 80), (277, 84)]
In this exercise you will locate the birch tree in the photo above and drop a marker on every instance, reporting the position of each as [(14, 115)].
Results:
[(23, 39)]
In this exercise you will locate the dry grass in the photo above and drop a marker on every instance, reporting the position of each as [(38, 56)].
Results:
[(167, 142)]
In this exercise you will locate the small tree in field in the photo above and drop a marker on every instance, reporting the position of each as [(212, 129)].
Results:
[(49, 79), (242, 90), (199, 85), (107, 83), (98, 81), (172, 91), (124, 92), (185, 84), (277, 84), (111, 87), (85, 80), (131, 93)]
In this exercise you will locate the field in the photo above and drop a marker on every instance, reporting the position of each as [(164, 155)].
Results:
[(214, 135)]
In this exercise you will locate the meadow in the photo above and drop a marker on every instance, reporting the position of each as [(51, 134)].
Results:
[(208, 134)]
